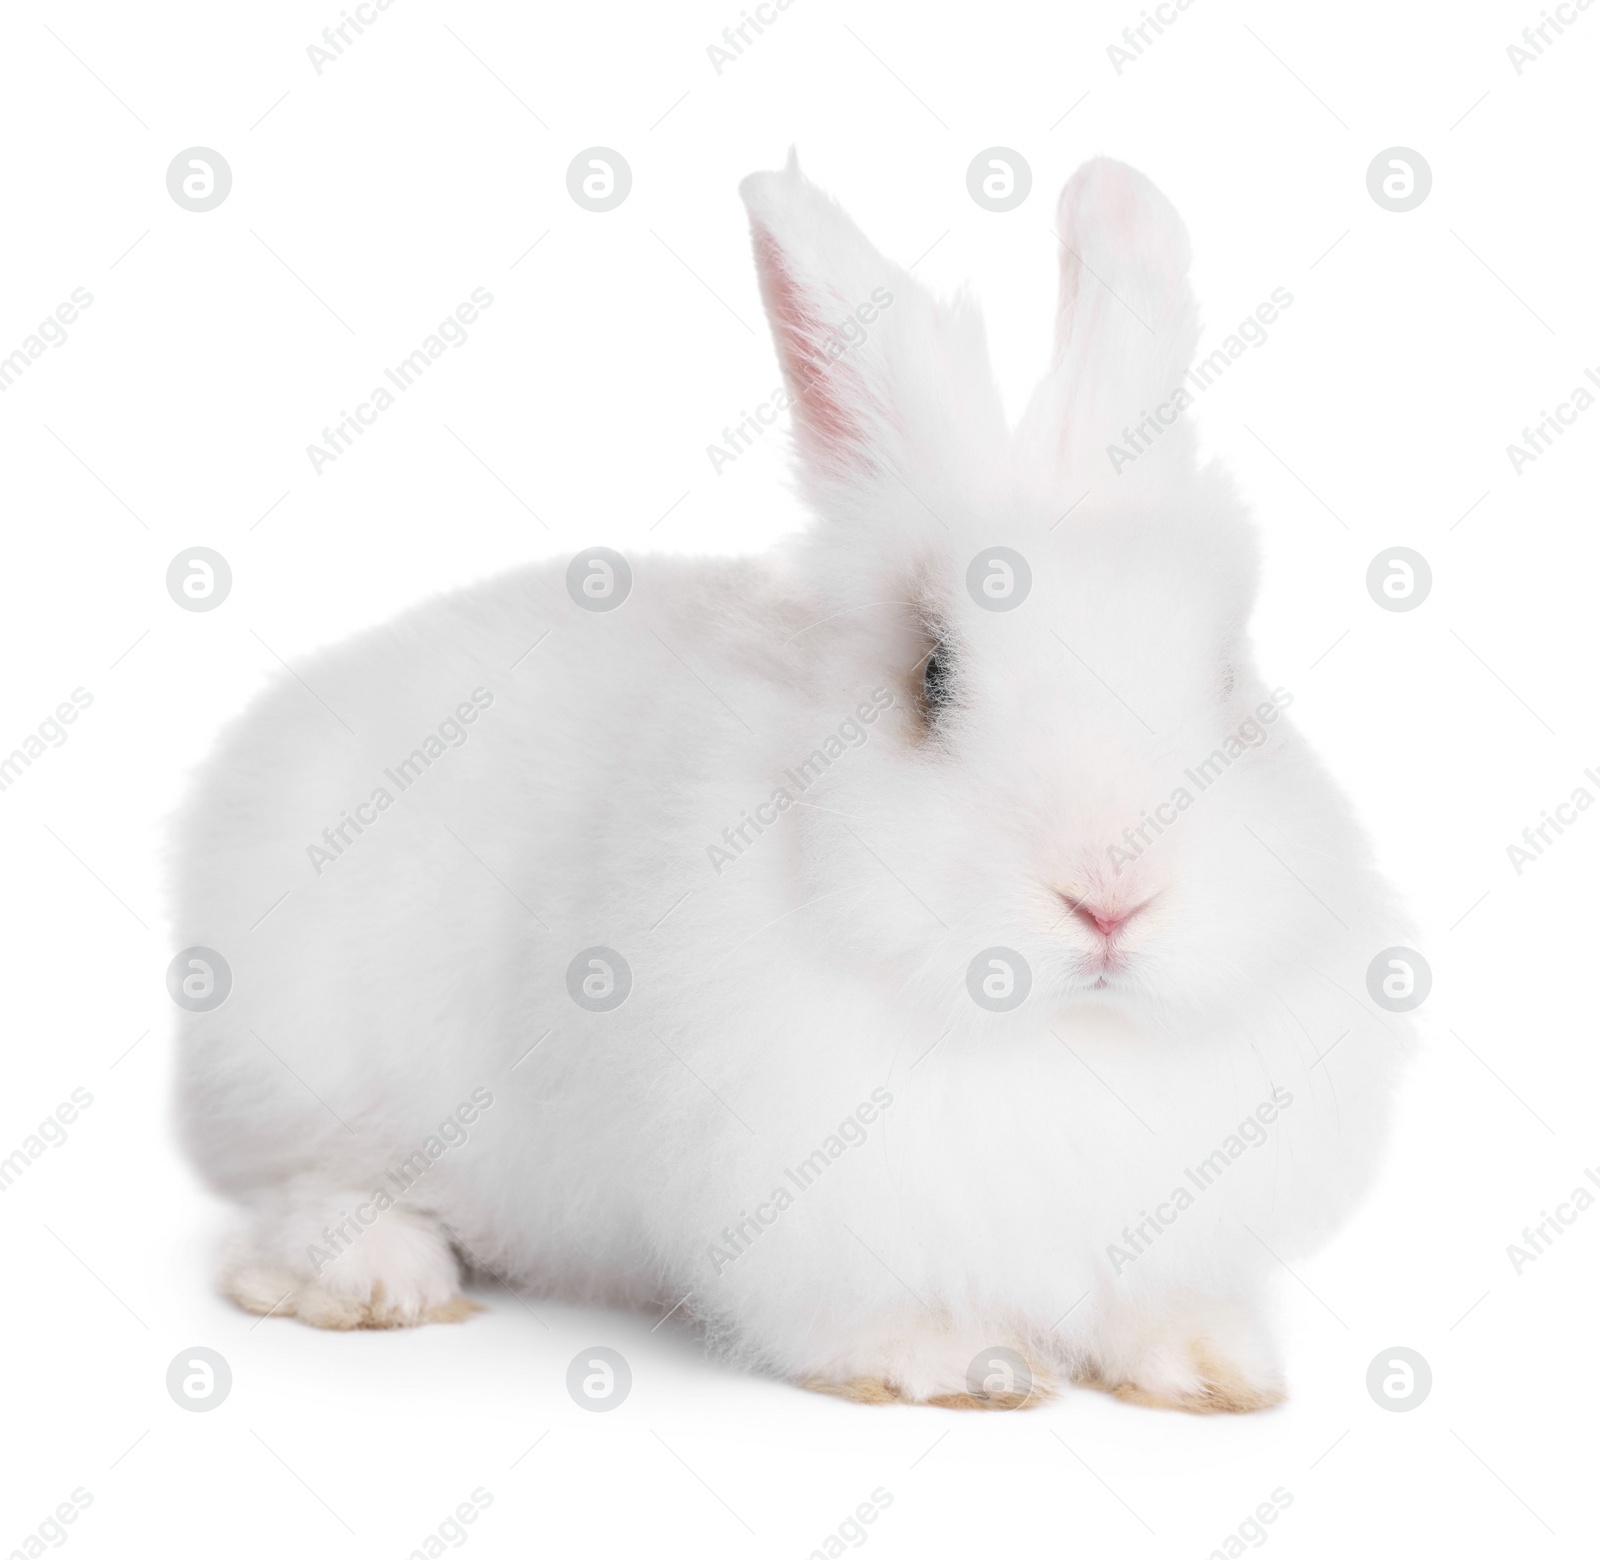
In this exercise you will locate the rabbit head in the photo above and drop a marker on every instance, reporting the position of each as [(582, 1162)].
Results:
[(1087, 767)]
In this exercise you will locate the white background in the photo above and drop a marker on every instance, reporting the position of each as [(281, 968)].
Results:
[(368, 201)]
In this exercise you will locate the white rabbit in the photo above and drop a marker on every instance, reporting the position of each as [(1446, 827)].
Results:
[(926, 942)]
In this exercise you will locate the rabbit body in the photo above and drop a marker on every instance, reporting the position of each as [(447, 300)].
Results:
[(668, 953)]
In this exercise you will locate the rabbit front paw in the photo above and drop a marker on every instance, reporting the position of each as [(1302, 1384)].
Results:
[(399, 1271), (1202, 1358), (927, 1364)]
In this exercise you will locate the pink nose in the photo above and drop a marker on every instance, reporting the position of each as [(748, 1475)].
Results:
[(1106, 922)]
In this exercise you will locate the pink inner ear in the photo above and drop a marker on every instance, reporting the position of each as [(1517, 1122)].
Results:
[(821, 382), (1117, 209), (1109, 202)]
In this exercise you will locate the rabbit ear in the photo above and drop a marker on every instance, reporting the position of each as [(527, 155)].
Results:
[(881, 378), (1126, 326)]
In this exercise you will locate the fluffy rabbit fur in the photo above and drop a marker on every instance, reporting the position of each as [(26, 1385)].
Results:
[(799, 1118)]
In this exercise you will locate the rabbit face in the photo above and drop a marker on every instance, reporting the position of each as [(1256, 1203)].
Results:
[(1099, 780)]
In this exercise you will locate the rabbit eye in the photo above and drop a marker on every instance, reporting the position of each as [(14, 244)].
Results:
[(936, 691)]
